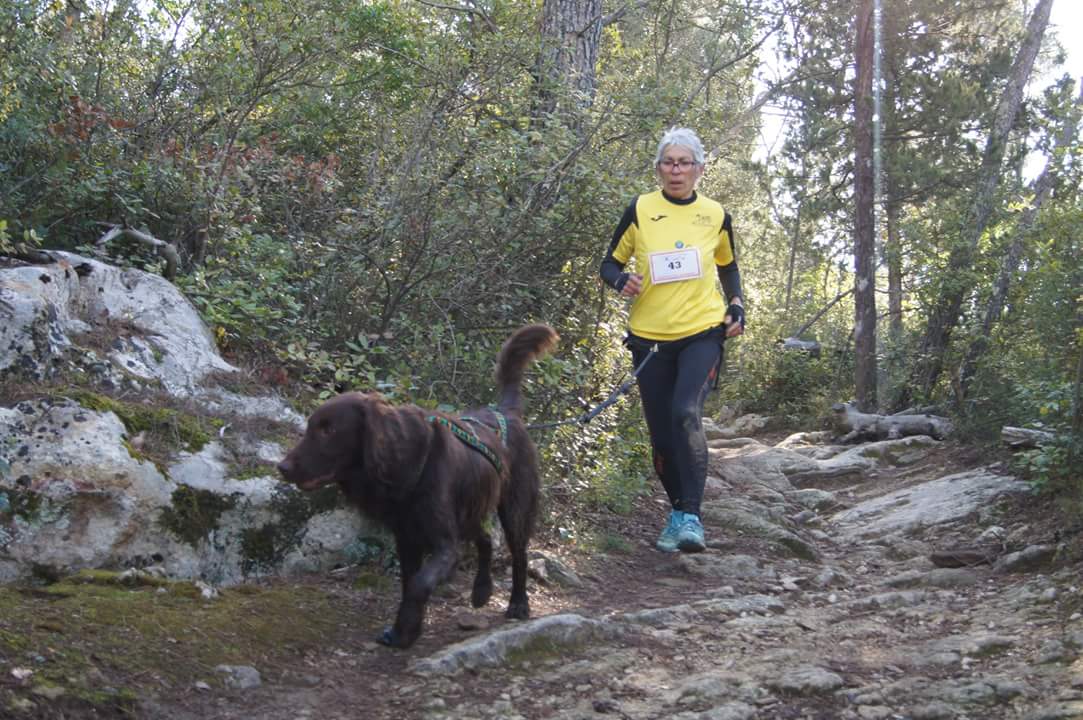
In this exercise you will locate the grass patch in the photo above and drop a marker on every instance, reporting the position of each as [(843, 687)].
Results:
[(609, 542), (93, 640)]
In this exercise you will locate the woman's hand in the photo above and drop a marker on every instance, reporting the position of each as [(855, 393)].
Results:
[(632, 285), (735, 319)]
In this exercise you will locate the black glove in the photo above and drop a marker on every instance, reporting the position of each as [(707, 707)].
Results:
[(737, 314)]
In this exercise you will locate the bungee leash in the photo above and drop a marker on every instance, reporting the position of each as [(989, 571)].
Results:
[(614, 396)]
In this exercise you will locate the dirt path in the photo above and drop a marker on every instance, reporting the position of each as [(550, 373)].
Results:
[(832, 624)]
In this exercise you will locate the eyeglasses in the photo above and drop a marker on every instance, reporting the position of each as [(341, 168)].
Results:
[(683, 165)]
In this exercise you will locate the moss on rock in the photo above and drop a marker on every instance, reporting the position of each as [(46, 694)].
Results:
[(192, 433), (266, 546), (194, 513), (20, 503)]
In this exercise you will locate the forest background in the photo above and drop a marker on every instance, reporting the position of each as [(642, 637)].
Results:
[(372, 195)]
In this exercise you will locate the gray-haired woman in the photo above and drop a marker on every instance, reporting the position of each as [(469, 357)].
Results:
[(673, 237)]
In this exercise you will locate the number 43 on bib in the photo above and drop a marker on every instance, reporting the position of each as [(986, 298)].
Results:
[(673, 265)]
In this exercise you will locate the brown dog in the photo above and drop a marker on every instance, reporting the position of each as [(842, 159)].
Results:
[(434, 479)]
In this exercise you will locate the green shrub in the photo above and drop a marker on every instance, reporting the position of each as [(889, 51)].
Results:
[(1054, 467)]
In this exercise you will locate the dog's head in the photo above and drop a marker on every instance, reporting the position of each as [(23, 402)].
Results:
[(357, 437)]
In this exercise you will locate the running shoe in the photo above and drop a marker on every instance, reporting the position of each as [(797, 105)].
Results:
[(690, 535), (667, 541)]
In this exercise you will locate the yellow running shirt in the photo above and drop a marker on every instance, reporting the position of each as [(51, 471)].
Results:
[(677, 246)]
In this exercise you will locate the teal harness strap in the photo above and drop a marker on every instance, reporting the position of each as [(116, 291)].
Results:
[(471, 439), (501, 428)]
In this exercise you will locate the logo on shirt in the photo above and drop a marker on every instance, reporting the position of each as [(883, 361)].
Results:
[(679, 244), (656, 218), (703, 220)]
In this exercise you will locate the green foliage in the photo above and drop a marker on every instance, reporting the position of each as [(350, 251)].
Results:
[(603, 467), (791, 385), (30, 240), (244, 292), (1054, 467)]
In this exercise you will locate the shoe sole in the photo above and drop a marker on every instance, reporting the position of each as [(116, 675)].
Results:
[(666, 548), (691, 546)]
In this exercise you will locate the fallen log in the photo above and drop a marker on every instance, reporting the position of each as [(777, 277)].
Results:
[(165, 251), (1017, 437), (852, 424)]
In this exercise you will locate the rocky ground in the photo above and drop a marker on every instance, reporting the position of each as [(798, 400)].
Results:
[(818, 598)]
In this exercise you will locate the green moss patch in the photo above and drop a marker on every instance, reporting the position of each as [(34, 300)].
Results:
[(371, 580), (166, 425), (194, 513), (539, 649), (17, 502), (92, 640), (265, 546)]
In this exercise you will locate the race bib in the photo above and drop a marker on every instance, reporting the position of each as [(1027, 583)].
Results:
[(673, 265)]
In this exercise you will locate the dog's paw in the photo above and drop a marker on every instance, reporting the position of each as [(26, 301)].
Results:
[(393, 638), (482, 593), (518, 611)]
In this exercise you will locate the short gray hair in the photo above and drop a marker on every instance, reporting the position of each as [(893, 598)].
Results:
[(685, 137)]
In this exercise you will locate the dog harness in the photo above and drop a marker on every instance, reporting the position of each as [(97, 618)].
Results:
[(471, 439)]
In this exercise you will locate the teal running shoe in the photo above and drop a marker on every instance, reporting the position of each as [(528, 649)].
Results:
[(667, 541), (690, 535)]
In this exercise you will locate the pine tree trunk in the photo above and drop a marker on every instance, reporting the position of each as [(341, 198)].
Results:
[(864, 226), (795, 238), (564, 67)]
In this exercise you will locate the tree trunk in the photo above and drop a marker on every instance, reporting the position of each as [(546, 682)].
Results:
[(944, 315), (893, 253), (564, 67), (794, 239), (864, 225), (1043, 188), (893, 260)]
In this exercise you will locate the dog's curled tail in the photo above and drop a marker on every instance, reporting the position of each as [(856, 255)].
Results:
[(525, 344)]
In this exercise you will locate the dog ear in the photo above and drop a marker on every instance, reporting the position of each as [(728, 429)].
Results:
[(395, 444)]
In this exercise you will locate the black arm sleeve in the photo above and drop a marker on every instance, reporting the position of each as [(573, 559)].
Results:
[(612, 270), (729, 275)]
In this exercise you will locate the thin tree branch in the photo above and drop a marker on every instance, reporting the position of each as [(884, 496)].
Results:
[(468, 10)]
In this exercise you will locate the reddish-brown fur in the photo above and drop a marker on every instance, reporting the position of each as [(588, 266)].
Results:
[(428, 487)]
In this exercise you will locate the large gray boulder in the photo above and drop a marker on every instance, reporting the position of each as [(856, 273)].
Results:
[(159, 336), (120, 325), (74, 495), (76, 488)]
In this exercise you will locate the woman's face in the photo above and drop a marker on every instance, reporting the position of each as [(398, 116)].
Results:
[(678, 172)]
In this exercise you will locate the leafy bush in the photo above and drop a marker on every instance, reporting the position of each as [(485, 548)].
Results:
[(245, 295), (791, 385), (1054, 467)]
